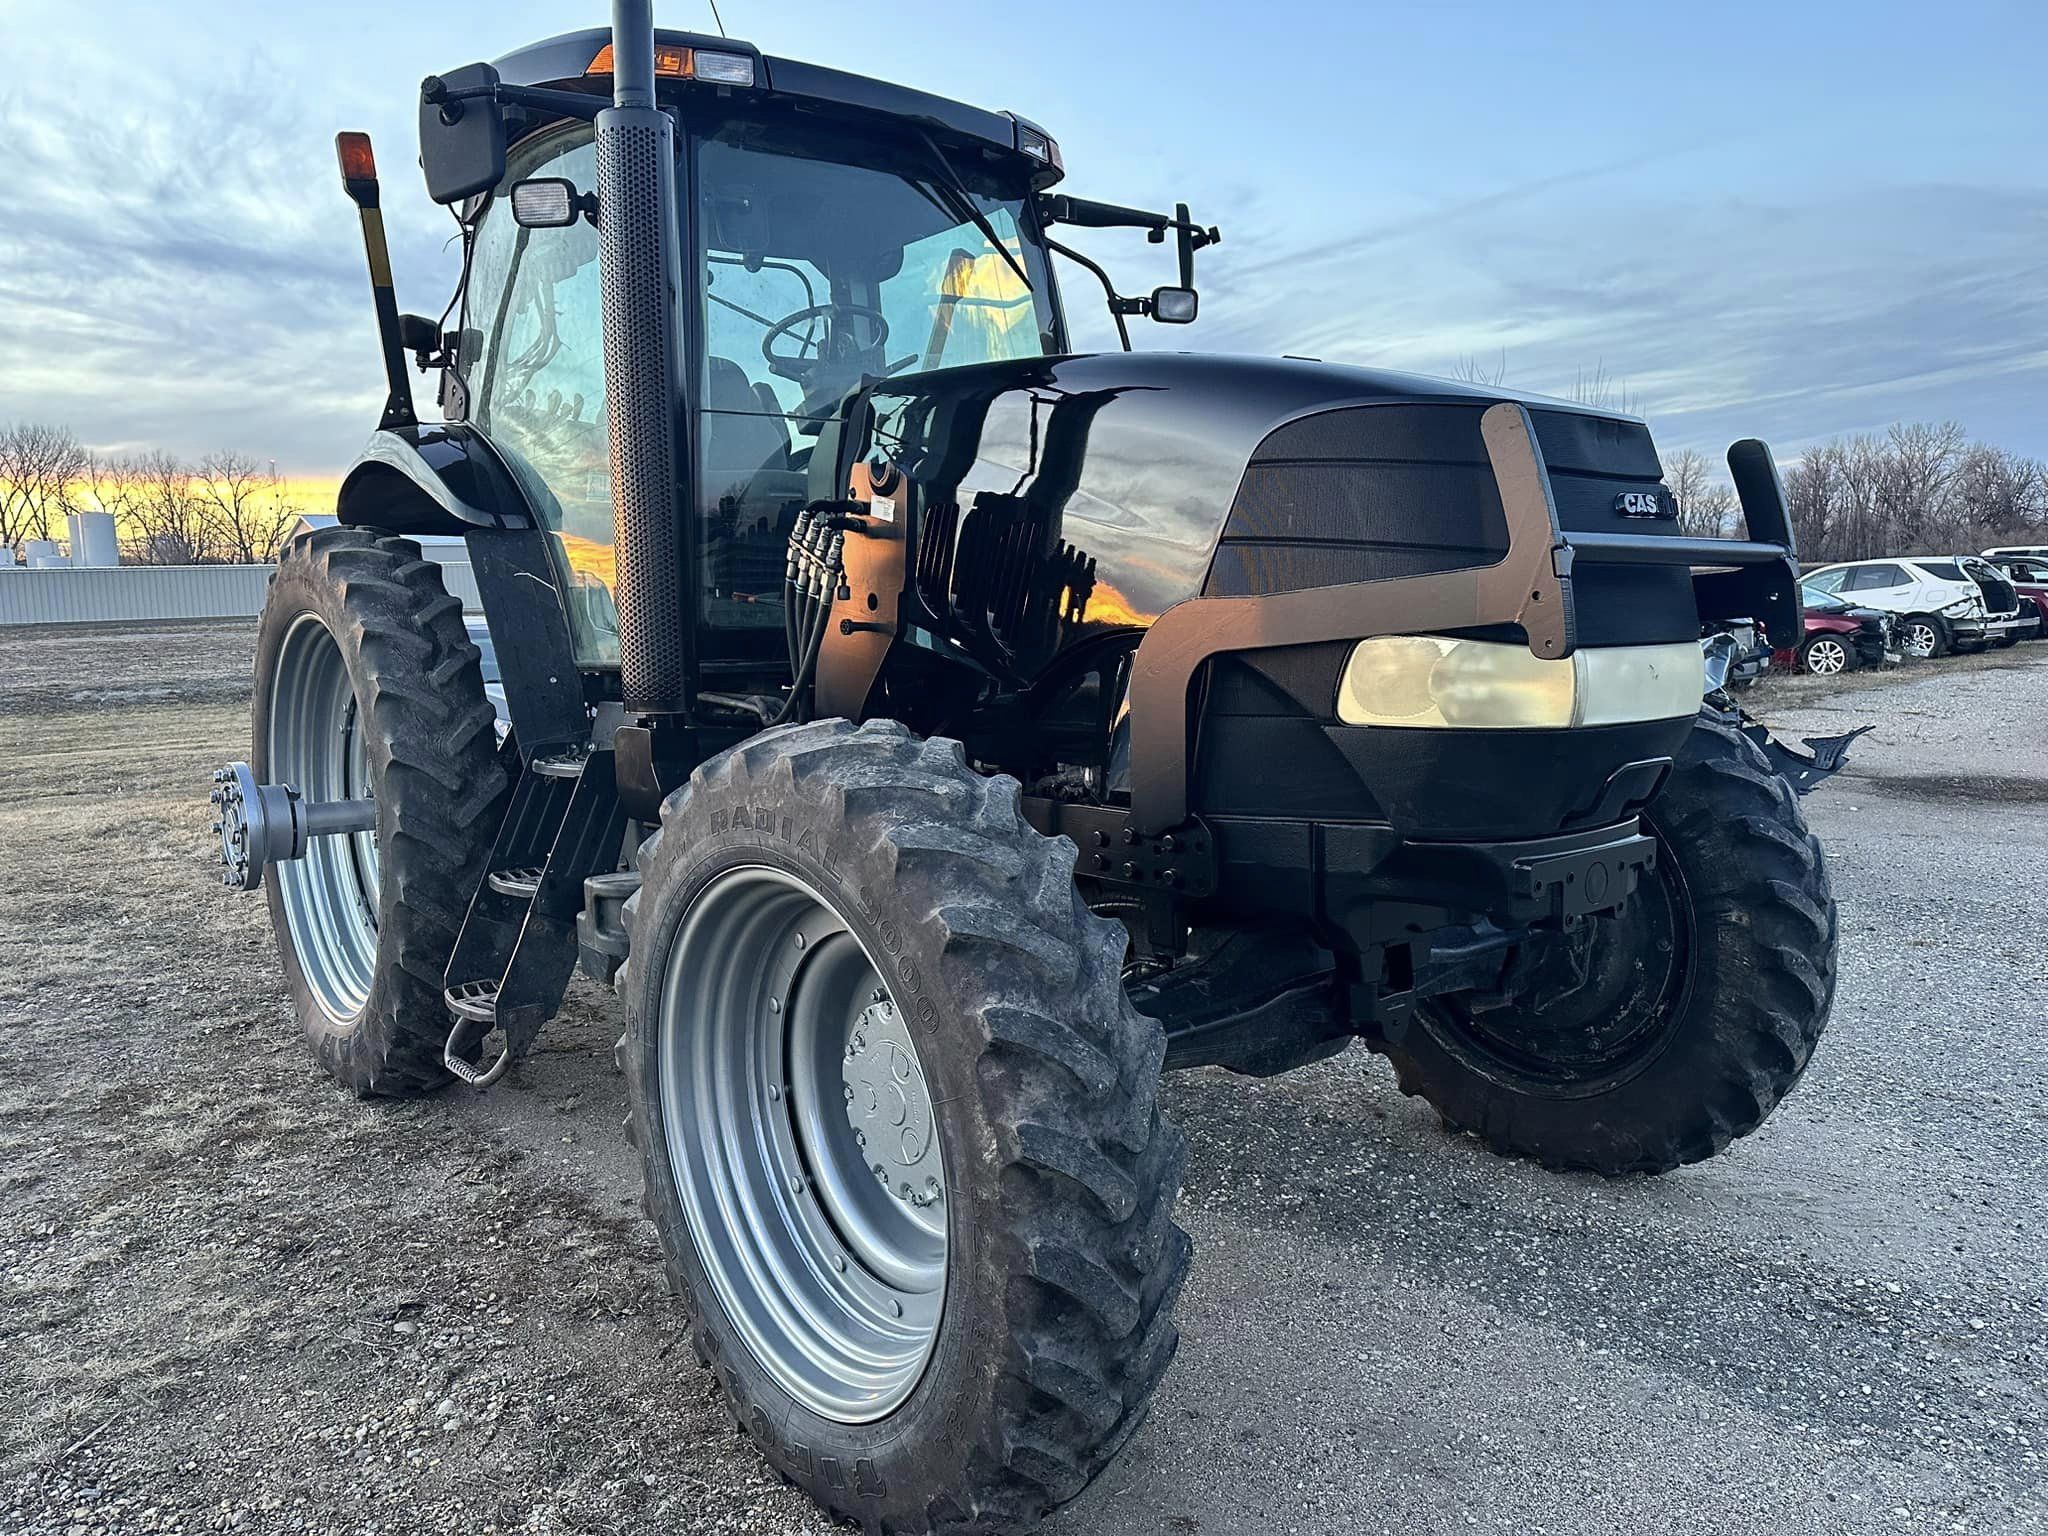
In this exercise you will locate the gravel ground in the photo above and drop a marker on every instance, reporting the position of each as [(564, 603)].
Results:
[(233, 1298)]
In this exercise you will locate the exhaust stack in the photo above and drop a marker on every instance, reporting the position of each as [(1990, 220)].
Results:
[(640, 276)]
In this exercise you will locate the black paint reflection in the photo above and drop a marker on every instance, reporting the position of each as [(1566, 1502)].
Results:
[(1054, 500)]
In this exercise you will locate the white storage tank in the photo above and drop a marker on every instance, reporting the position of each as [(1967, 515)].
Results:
[(92, 539)]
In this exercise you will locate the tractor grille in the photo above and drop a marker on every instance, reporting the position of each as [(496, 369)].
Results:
[(1371, 492)]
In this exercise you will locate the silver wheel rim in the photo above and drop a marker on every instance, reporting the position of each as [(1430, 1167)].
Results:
[(316, 746), (787, 1080), (1826, 657), (1920, 640)]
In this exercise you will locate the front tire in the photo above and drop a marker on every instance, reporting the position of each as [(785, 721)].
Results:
[(367, 686), (1698, 1008), (1826, 656), (974, 1357)]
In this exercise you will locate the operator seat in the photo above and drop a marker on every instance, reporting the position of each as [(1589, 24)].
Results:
[(737, 439)]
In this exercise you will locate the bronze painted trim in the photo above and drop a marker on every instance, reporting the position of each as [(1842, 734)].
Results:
[(1530, 585)]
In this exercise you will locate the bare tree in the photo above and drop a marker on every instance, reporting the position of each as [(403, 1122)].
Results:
[(1601, 391), (1916, 475), (247, 513), (1706, 506), (1813, 495), (172, 518), (40, 468), (1918, 489), (2003, 496), (1471, 370)]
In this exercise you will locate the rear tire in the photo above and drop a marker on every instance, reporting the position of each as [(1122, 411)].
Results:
[(1923, 636), (1056, 1175), (360, 642), (1729, 1024)]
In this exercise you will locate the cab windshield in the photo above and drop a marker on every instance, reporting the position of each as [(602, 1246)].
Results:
[(817, 274)]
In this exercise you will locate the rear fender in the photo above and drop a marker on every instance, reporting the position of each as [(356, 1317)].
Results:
[(446, 478), (433, 478)]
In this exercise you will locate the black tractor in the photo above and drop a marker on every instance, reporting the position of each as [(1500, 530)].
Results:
[(934, 733)]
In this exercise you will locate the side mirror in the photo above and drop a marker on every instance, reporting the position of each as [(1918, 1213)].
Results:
[(548, 202), (462, 133), (1174, 306)]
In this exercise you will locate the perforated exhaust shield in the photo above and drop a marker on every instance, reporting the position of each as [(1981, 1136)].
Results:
[(637, 242)]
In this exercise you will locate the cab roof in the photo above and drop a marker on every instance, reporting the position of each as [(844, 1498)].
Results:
[(565, 60)]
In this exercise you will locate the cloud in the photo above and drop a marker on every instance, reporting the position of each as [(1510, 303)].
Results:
[(179, 269), (1723, 317)]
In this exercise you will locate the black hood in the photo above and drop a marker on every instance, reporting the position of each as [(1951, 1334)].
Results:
[(1051, 498)]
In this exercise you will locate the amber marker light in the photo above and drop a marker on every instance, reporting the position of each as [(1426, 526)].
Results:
[(358, 163)]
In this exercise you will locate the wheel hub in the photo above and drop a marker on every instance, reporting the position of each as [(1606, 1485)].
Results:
[(889, 1108)]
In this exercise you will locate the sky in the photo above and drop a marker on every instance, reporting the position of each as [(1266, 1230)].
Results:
[(1789, 221)]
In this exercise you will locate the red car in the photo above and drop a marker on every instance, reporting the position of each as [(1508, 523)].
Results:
[(1839, 637), (2029, 575)]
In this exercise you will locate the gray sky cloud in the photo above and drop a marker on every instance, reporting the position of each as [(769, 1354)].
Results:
[(1777, 250)]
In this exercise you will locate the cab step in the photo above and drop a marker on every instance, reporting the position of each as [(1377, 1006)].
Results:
[(516, 882), (474, 1007), (562, 765)]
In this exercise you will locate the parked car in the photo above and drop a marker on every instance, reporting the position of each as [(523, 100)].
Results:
[(2013, 618), (2037, 551), (2029, 576), (1940, 606), (1751, 657), (1840, 636)]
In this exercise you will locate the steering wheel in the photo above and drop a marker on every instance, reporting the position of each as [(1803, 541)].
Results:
[(839, 346)]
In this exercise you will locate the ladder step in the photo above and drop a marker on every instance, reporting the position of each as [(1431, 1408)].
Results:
[(475, 1007), (515, 882), (476, 1000), (563, 765)]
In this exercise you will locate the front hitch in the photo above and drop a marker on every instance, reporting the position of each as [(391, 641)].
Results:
[(260, 824)]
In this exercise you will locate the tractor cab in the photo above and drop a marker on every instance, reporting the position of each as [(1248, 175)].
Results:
[(833, 231)]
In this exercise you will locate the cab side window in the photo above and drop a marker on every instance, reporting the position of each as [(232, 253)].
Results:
[(534, 370)]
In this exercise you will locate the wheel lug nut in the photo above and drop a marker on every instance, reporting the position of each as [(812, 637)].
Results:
[(774, 1093), (796, 1184), (895, 1307), (799, 941), (839, 1262), (775, 1005)]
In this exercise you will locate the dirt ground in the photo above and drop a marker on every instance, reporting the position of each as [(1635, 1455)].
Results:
[(232, 1297)]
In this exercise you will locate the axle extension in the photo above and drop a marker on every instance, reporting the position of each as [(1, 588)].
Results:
[(263, 824)]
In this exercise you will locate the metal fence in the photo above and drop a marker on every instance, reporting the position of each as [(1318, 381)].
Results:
[(143, 593)]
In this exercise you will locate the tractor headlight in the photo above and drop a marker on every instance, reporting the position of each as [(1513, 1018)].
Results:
[(1434, 682)]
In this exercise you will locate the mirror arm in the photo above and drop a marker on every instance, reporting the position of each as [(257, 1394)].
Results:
[(436, 92), (1118, 305)]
